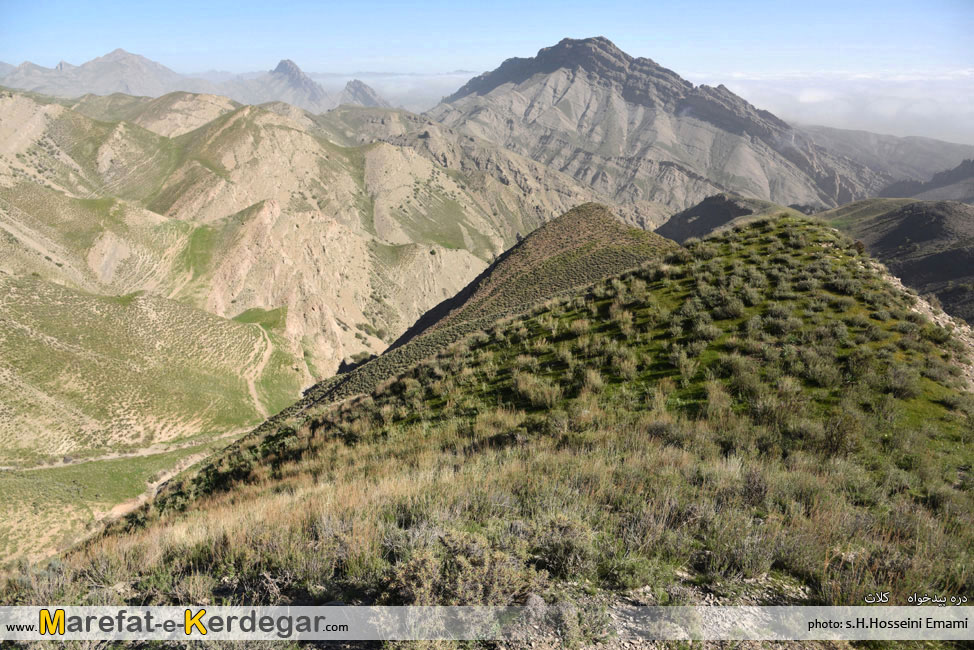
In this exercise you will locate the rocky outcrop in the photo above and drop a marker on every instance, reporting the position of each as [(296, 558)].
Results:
[(637, 131)]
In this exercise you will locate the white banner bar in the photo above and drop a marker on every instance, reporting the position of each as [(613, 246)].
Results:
[(472, 623)]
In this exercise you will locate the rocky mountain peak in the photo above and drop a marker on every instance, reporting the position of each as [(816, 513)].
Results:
[(289, 68), (361, 94), (116, 54), (596, 53), (599, 57)]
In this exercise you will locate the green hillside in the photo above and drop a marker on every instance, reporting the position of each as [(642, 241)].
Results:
[(761, 417), (89, 375), (858, 213), (582, 246)]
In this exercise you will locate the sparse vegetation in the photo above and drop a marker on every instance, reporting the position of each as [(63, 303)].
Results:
[(506, 466)]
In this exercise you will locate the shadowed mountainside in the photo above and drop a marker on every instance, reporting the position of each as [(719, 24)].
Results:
[(928, 244), (716, 213), (955, 184)]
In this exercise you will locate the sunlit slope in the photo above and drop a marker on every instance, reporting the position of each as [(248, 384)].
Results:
[(87, 375), (762, 417), (580, 247)]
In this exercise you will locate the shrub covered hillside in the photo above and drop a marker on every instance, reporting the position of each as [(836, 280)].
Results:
[(584, 245), (761, 406)]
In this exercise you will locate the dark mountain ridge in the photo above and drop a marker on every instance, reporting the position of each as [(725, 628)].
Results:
[(957, 182)]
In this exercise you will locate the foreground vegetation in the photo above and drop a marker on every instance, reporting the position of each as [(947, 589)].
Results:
[(761, 404)]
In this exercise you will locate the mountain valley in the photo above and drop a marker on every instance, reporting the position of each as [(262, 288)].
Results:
[(582, 333)]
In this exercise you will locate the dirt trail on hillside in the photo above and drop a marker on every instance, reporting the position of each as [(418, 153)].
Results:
[(254, 375), (151, 450), (126, 507)]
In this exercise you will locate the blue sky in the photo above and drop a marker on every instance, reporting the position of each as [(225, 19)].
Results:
[(694, 38)]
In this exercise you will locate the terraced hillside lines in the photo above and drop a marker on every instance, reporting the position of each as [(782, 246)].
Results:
[(87, 375), (759, 417)]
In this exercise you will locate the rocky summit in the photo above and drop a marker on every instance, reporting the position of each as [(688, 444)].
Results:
[(638, 131)]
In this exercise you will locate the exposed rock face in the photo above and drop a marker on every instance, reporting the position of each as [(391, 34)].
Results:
[(524, 191), (635, 131), (286, 83)]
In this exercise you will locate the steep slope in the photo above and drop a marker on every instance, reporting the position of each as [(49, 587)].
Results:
[(716, 213), (358, 93), (901, 158), (88, 375), (578, 248), (571, 251), (711, 427), (955, 184), (285, 83), (519, 189), (928, 244), (637, 131)]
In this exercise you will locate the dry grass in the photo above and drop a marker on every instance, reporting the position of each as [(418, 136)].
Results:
[(515, 481)]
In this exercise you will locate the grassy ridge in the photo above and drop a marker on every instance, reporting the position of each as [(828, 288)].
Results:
[(763, 404), (578, 248)]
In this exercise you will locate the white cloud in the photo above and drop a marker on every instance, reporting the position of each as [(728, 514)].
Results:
[(937, 104)]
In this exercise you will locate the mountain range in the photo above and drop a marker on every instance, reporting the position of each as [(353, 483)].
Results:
[(131, 74), (180, 265), (638, 132)]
